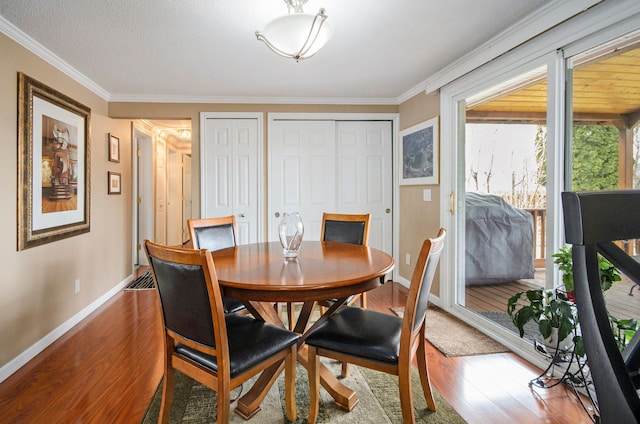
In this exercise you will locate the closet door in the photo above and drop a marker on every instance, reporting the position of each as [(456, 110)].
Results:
[(229, 173), (364, 176), (318, 166), (302, 173)]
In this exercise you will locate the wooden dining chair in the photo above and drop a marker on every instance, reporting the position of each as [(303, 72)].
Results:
[(217, 349), (347, 228), (216, 234), (381, 341)]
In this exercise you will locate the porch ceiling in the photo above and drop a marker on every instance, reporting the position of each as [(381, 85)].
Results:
[(607, 89)]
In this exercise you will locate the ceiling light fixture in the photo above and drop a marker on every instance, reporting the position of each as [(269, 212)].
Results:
[(297, 35)]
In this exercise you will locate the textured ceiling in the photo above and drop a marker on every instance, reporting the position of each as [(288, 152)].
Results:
[(163, 49)]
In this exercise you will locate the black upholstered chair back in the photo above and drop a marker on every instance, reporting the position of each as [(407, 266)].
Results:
[(191, 303), (422, 279), (346, 228), (593, 222), (184, 300), (213, 233), (217, 234)]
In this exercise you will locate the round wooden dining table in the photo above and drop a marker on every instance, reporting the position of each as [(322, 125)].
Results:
[(260, 276)]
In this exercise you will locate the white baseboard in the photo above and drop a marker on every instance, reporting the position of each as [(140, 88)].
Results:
[(22, 359), (402, 281)]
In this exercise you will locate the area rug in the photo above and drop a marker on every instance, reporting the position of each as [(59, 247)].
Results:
[(145, 281), (531, 330), (377, 391), (453, 337)]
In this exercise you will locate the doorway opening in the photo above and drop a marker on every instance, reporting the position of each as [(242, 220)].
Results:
[(162, 183)]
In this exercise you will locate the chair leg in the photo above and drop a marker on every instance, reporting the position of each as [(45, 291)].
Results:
[(290, 316), (224, 399), (167, 395), (290, 383), (423, 370), (363, 300), (345, 370), (314, 384), (406, 395)]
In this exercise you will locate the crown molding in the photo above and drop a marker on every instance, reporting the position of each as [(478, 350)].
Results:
[(45, 54), (527, 28), (126, 98), (417, 89)]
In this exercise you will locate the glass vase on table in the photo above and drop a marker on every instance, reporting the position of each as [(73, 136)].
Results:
[(290, 232)]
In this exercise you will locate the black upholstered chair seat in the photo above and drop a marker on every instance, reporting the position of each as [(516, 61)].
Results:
[(232, 305), (250, 343), (360, 332), (380, 341), (217, 349)]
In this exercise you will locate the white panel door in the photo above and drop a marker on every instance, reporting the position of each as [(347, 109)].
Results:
[(145, 196), (364, 176), (161, 192), (229, 173), (174, 197), (302, 169), (186, 195)]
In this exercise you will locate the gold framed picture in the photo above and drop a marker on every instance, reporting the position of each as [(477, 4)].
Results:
[(53, 164)]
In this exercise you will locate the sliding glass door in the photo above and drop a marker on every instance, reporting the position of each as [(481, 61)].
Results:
[(503, 190), (559, 123)]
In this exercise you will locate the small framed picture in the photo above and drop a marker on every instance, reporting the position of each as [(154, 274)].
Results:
[(114, 148), (419, 154), (114, 183)]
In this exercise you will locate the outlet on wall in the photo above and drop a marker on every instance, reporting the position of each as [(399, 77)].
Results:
[(76, 286), (407, 259)]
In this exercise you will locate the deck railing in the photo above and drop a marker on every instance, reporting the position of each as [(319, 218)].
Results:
[(539, 235)]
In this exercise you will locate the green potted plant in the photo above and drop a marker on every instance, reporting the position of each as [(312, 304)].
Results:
[(554, 310), (563, 258)]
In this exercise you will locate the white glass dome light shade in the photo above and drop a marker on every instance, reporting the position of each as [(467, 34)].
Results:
[(297, 35)]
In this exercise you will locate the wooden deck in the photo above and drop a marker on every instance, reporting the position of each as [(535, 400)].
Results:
[(494, 297)]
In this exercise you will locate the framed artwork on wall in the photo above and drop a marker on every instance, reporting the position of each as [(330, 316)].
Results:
[(419, 153), (114, 148), (114, 183), (53, 165)]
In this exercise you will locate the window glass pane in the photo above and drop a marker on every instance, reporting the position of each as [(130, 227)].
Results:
[(505, 188), (603, 140)]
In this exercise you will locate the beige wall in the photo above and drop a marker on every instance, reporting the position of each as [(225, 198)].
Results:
[(192, 111), (414, 212), (418, 219), (37, 284), (36, 289)]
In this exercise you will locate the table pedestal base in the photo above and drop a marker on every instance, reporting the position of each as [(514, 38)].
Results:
[(249, 404), (343, 396)]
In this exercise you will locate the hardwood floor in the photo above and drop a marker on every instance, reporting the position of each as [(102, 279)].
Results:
[(106, 369)]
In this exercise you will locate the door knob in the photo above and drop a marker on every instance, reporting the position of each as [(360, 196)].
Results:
[(241, 215), (388, 210), (277, 214)]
